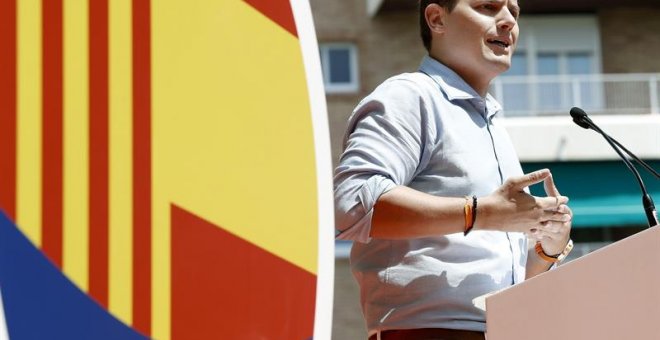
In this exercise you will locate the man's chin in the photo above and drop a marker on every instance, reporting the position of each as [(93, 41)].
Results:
[(501, 64)]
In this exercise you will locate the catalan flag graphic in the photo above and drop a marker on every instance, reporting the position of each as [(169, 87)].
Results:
[(164, 171)]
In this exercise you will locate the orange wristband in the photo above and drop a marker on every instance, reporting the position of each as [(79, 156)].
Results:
[(556, 258), (543, 255), (468, 212)]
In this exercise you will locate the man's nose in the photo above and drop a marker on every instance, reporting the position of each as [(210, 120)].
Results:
[(506, 20)]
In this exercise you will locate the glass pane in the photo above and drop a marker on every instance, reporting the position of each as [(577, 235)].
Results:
[(340, 65), (518, 65), (515, 96), (580, 63), (549, 91), (548, 63), (590, 95), (550, 96)]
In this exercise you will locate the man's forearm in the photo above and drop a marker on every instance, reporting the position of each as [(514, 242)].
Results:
[(407, 213)]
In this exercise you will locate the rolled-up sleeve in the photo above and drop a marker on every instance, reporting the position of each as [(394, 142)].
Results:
[(383, 147)]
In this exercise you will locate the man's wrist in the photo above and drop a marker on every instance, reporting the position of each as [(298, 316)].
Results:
[(483, 208), (555, 248), (554, 258)]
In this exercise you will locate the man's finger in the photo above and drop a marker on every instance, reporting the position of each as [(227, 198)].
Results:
[(550, 187), (534, 234), (551, 215), (551, 203), (543, 234), (565, 210), (521, 182)]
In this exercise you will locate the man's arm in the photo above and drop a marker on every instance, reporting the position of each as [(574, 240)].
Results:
[(535, 264), (553, 239), (407, 213)]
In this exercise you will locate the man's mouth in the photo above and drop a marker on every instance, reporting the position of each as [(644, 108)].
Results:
[(498, 42)]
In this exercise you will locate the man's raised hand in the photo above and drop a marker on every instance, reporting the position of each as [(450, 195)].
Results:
[(510, 208)]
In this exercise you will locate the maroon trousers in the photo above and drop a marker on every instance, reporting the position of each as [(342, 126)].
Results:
[(429, 334)]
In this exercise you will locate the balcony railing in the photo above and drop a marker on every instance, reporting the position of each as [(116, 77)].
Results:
[(633, 93)]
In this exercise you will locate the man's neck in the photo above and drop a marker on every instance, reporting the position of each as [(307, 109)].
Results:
[(477, 82)]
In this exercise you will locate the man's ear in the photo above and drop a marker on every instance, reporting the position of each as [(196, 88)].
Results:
[(435, 18)]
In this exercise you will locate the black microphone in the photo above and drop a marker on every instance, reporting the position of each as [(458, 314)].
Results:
[(580, 118)]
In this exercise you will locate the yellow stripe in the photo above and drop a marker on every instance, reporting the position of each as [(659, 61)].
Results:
[(28, 205), (161, 259), (120, 40), (243, 155), (226, 161), (76, 143)]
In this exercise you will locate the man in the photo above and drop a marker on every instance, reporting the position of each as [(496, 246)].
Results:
[(430, 188)]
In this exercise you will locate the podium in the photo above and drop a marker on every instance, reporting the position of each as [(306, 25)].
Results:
[(610, 294)]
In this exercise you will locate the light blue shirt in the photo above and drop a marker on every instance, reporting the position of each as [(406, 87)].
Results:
[(432, 132)]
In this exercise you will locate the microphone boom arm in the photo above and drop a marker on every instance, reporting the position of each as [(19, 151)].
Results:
[(636, 159), (580, 118)]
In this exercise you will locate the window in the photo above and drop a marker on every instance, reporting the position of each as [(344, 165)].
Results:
[(550, 90), (516, 95), (339, 62), (553, 67)]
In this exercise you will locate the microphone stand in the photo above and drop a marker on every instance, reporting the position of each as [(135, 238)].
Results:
[(636, 159), (581, 119)]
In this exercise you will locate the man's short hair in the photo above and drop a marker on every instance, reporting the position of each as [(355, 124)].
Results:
[(423, 26)]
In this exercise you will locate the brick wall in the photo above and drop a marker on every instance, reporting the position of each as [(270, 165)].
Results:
[(630, 40), (347, 321), (388, 44)]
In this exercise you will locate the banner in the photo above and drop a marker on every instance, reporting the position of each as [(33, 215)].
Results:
[(165, 171)]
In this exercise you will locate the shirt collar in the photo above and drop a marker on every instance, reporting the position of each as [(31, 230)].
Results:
[(454, 86)]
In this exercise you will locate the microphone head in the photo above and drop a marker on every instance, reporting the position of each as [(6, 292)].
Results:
[(580, 117)]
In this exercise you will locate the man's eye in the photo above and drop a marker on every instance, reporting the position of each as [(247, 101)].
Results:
[(489, 7)]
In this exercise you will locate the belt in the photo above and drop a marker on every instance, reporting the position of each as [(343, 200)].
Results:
[(429, 334)]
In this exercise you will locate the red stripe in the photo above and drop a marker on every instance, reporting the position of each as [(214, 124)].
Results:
[(98, 151), (255, 295), (52, 130), (279, 11), (141, 166), (8, 107)]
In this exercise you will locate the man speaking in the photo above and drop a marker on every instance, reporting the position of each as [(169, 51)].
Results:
[(431, 191)]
